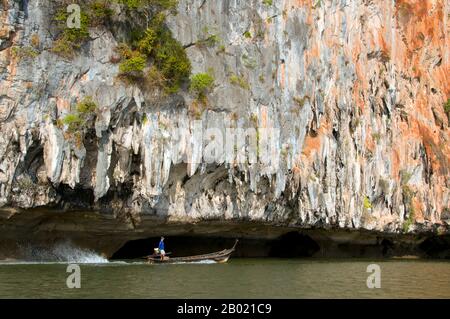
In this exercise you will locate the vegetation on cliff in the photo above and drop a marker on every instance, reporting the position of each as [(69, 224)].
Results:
[(239, 81), (170, 64), (447, 108), (150, 55), (24, 52), (201, 83), (77, 122), (69, 40), (138, 4)]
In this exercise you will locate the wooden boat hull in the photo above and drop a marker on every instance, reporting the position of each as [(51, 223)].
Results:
[(222, 261), (219, 257)]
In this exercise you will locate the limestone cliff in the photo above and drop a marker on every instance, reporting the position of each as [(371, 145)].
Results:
[(357, 89)]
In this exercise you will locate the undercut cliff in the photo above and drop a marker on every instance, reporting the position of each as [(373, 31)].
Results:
[(358, 92)]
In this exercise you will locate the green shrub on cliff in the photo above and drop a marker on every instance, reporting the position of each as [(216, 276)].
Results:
[(69, 39), (133, 66), (155, 78), (201, 83), (211, 40), (84, 113), (132, 4), (73, 122), (200, 86), (171, 65), (408, 195), (408, 222), (86, 107), (367, 204), (239, 81), (146, 45), (99, 12), (125, 51), (137, 4), (447, 107), (63, 48), (73, 34), (165, 4), (208, 39), (155, 44), (169, 56), (24, 52), (95, 13)]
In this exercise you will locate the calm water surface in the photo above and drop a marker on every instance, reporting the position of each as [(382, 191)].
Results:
[(239, 278)]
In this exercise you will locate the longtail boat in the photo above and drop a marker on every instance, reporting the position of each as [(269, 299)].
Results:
[(218, 256)]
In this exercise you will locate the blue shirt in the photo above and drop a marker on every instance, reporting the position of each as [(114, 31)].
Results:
[(161, 245)]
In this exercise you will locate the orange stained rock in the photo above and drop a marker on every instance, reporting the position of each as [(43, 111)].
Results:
[(383, 45), (312, 53), (85, 77), (417, 209), (421, 23), (358, 97), (296, 170), (395, 169), (441, 78), (437, 153), (312, 144), (369, 143), (303, 3), (408, 134), (264, 117)]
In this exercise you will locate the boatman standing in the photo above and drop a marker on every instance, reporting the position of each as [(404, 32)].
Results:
[(161, 248)]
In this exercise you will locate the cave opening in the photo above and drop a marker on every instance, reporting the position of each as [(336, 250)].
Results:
[(436, 246), (293, 244), (289, 245)]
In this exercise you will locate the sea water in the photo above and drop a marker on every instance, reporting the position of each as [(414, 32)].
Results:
[(239, 278)]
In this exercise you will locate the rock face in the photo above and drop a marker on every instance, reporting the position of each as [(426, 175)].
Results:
[(356, 90)]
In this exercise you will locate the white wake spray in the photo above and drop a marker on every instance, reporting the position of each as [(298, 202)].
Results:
[(64, 252)]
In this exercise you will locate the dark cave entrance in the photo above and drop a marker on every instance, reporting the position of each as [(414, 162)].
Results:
[(293, 244), (436, 246), (289, 245)]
